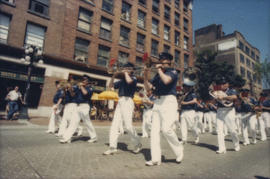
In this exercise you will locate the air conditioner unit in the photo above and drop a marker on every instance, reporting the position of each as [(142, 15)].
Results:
[(80, 59)]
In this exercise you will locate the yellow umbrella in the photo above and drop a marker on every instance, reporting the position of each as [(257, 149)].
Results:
[(137, 99), (94, 96), (108, 95)]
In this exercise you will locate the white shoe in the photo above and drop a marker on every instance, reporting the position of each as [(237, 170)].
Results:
[(237, 148), (180, 157), (263, 139), (221, 151), (63, 141), (49, 132), (144, 136), (246, 143), (111, 151), (137, 148), (197, 140), (92, 140), (151, 163), (254, 141), (58, 135)]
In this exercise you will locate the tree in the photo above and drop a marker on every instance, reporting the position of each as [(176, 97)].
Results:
[(211, 71), (262, 71)]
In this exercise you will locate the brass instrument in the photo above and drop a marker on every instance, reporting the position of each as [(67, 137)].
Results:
[(218, 94), (190, 76)]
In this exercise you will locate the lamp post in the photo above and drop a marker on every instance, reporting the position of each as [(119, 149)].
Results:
[(32, 55)]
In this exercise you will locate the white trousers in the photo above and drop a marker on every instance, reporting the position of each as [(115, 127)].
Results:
[(147, 120), (264, 122), (188, 122), (55, 118), (199, 119), (226, 117), (163, 119), (67, 117), (248, 120), (80, 112), (123, 113), (238, 122), (209, 118)]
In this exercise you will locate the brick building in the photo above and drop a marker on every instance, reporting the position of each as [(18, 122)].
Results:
[(233, 49), (81, 36)]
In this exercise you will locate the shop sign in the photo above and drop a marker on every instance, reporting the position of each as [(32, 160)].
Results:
[(21, 77)]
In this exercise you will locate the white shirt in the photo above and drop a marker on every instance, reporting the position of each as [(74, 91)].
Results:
[(14, 96)]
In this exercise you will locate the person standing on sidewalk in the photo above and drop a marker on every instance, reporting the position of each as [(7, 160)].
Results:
[(13, 97), (57, 108), (165, 108), (124, 109), (82, 111)]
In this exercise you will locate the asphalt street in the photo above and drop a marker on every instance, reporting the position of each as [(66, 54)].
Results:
[(26, 151)]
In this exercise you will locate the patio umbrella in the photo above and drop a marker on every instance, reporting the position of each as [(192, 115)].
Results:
[(137, 99), (94, 96), (108, 95)]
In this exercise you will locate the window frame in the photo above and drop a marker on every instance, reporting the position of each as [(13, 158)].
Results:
[(90, 13)]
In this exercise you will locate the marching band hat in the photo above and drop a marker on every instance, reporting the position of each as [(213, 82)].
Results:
[(86, 77), (221, 81), (165, 56), (129, 64)]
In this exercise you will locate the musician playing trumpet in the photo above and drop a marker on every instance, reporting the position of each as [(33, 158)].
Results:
[(226, 115), (165, 108)]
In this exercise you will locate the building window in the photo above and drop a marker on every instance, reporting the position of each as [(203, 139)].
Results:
[(253, 66), (242, 59), (186, 60), (177, 4), (123, 58), (249, 75), (243, 72), (81, 50), (35, 35), (9, 1), (254, 78), (103, 55), (185, 6), (177, 58), (253, 54), (124, 36), (177, 38), (126, 11), (177, 19), (107, 5), (167, 48), (140, 42), (139, 62), (166, 32), (142, 2), (141, 19), (155, 6), (154, 48), (90, 1), (106, 29), (4, 26), (167, 12), (257, 58), (241, 45), (247, 50), (248, 62), (39, 6), (186, 42), (84, 20), (155, 26), (185, 25)]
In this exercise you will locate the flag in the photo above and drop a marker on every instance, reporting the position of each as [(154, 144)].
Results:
[(145, 57), (112, 62)]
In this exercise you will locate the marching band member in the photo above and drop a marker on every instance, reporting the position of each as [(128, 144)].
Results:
[(188, 113), (248, 116), (83, 97), (264, 119), (210, 115), (226, 116), (147, 113), (56, 109), (199, 112), (165, 108), (124, 109)]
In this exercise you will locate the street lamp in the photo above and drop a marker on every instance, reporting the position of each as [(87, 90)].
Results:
[(32, 54)]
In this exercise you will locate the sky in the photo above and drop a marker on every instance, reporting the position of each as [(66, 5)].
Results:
[(250, 17)]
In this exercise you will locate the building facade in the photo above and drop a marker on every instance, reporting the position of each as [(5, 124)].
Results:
[(233, 49), (81, 36)]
